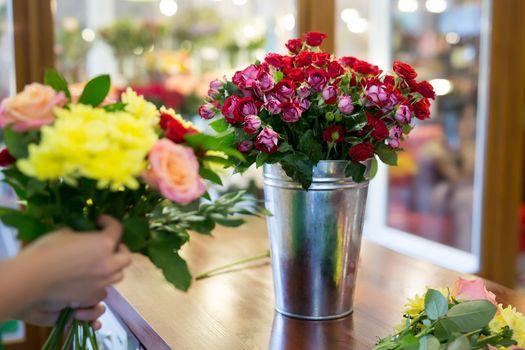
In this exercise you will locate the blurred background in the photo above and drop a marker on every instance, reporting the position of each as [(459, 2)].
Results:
[(436, 204)]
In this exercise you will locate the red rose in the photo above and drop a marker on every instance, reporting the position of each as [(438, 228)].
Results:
[(335, 69), (294, 45), (364, 67), (274, 59), (348, 61), (389, 81), (334, 133), (422, 109), (380, 131), (425, 89), (245, 106), (175, 128), (6, 159), (295, 74), (321, 59), (229, 107), (303, 59), (314, 38), (360, 152), (404, 70)]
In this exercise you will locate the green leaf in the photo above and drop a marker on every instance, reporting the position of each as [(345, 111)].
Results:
[(299, 167), (373, 168), (227, 222), (35, 186), (436, 305), (409, 342), (387, 155), (429, 342), (115, 107), (136, 232), (232, 89), (406, 128), (29, 228), (57, 82), (17, 143), (460, 343), (356, 171), (310, 146), (285, 147), (163, 253), (471, 315), (444, 329), (95, 91), (219, 125), (355, 122), (221, 143), (278, 76), (81, 223), (210, 175), (261, 159)]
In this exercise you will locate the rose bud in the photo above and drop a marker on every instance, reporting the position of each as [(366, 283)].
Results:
[(303, 91), (207, 111), (215, 87), (404, 70), (314, 38), (395, 134), (329, 94), (317, 79), (291, 112), (6, 159), (422, 109), (360, 152), (403, 114), (229, 106), (273, 105), (294, 45), (252, 123), (245, 146), (345, 105), (393, 143), (334, 134), (267, 141)]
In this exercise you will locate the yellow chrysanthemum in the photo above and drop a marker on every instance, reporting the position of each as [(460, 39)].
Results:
[(510, 317), (216, 166), (138, 107), (414, 306), (109, 147)]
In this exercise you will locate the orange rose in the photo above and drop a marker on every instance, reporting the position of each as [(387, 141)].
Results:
[(174, 171), (32, 108)]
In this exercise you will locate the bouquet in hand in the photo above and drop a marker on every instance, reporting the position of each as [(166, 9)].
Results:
[(71, 159), (466, 317), (308, 106)]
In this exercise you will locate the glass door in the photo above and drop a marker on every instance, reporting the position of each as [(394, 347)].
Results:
[(429, 206)]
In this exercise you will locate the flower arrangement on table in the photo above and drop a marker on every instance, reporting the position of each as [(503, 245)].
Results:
[(72, 160), (300, 108), (466, 317)]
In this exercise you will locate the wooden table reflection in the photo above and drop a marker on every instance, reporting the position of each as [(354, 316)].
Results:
[(234, 310)]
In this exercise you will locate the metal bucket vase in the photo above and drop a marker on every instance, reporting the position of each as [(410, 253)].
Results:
[(315, 238)]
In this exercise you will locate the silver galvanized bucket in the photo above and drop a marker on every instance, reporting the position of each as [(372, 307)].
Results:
[(315, 238)]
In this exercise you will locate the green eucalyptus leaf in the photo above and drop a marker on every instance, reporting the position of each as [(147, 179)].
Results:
[(444, 329), (57, 82), (471, 315), (436, 305), (429, 342), (95, 91), (460, 343)]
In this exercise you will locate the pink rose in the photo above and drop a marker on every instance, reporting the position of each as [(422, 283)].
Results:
[(207, 111), (229, 106), (474, 289), (273, 105), (215, 87), (267, 141), (345, 105), (317, 79), (245, 106), (245, 146), (252, 123), (264, 83), (174, 171), (403, 114), (291, 112), (284, 90), (32, 108), (304, 104), (329, 94), (395, 134), (377, 94), (303, 91), (245, 78)]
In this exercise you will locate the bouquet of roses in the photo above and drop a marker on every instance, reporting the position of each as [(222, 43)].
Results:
[(300, 108), (466, 317), (71, 159)]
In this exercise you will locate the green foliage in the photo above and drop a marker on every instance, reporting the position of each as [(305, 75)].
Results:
[(445, 324), (57, 82), (18, 143), (387, 155), (356, 171), (95, 91)]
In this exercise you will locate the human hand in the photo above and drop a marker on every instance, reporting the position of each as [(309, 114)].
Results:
[(76, 267)]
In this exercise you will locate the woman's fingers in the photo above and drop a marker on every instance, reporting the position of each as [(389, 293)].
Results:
[(96, 325), (90, 314)]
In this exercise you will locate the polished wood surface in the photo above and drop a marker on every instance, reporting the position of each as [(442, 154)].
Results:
[(234, 310)]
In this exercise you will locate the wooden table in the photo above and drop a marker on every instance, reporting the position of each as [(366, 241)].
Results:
[(234, 310)]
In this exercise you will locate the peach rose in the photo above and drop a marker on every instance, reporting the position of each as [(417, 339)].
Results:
[(174, 171), (472, 290), (32, 108)]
